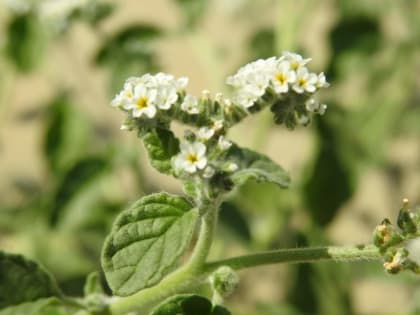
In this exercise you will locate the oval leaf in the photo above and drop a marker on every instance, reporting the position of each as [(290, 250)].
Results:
[(161, 145), (188, 304), (146, 241), (22, 280), (256, 166)]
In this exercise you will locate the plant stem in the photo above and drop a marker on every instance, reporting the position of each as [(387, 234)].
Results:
[(298, 255)]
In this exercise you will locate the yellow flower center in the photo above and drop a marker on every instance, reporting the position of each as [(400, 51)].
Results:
[(301, 82), (192, 157), (281, 78), (294, 65), (142, 102)]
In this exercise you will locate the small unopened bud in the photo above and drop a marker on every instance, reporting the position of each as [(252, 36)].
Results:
[(205, 94), (219, 98), (224, 281), (223, 143), (386, 235), (407, 219), (217, 125), (208, 172)]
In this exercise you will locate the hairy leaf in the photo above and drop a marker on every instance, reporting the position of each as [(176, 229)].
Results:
[(146, 241), (23, 280), (161, 145), (37, 307), (188, 304), (256, 166)]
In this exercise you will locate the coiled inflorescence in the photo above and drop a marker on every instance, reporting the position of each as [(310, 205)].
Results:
[(282, 83)]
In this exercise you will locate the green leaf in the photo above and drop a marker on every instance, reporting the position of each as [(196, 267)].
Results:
[(262, 44), (38, 307), (188, 304), (161, 145), (332, 179), (26, 41), (75, 181), (146, 241), (66, 134), (23, 280), (129, 42), (358, 34), (193, 11), (130, 52), (256, 166)]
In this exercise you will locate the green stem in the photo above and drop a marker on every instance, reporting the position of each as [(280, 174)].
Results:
[(298, 255), (196, 271)]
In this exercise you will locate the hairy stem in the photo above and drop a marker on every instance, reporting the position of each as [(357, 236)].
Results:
[(298, 255)]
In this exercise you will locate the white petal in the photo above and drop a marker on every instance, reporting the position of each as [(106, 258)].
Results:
[(150, 111), (190, 168), (199, 148), (201, 163), (310, 88)]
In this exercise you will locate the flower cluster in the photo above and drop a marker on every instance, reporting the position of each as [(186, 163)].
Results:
[(285, 81), (152, 102), (143, 97)]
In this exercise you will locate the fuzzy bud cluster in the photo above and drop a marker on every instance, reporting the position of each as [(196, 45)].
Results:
[(394, 243)]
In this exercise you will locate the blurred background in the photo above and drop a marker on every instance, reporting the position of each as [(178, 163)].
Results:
[(66, 169)]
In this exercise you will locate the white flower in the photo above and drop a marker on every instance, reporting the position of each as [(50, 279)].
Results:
[(143, 95), (142, 102), (322, 81), (191, 158), (166, 96), (251, 81), (181, 83), (305, 81), (245, 100), (282, 77), (296, 61), (223, 143), (190, 105), (205, 133)]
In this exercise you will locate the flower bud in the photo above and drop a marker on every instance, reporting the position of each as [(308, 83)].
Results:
[(407, 219), (224, 281), (386, 235)]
